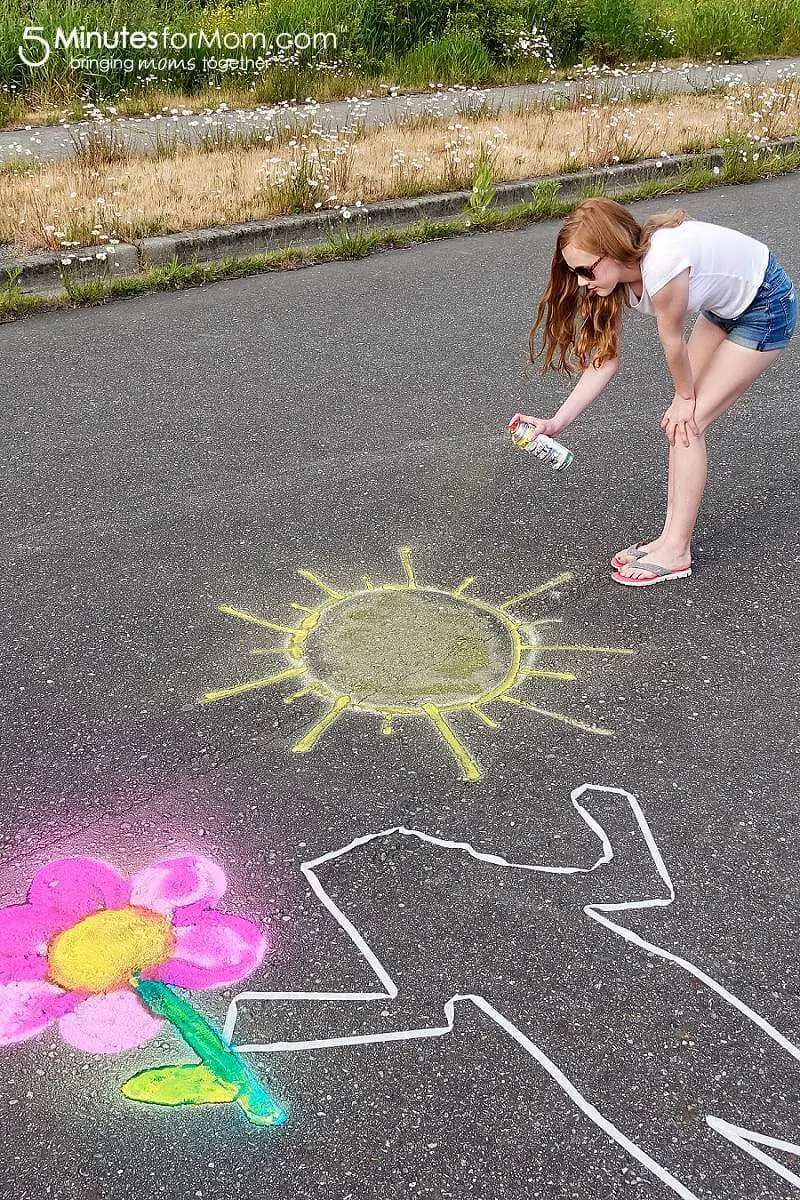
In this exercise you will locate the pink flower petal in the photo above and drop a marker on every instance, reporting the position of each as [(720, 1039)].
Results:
[(27, 1007), (177, 883), (215, 950), (78, 886), (109, 1023), (25, 931)]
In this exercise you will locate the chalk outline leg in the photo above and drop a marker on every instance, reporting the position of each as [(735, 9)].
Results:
[(748, 1140)]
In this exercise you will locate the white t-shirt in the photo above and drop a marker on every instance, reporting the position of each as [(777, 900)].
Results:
[(726, 267)]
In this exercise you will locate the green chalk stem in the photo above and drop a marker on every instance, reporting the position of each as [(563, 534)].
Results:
[(213, 1051)]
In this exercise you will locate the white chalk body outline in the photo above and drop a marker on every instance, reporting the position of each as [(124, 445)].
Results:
[(744, 1139)]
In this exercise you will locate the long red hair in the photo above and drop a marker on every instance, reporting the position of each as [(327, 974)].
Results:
[(574, 320)]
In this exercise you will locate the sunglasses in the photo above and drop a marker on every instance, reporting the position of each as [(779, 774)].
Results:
[(585, 272)]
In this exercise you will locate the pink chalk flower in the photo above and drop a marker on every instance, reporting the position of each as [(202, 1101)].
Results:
[(73, 952)]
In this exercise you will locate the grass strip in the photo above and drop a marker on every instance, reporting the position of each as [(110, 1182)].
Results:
[(353, 242)]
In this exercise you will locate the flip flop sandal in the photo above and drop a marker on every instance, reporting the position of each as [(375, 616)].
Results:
[(633, 551), (656, 574)]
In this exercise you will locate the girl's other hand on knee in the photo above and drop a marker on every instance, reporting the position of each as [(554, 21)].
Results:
[(679, 420)]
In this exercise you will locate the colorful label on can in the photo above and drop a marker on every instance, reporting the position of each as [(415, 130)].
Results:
[(545, 448)]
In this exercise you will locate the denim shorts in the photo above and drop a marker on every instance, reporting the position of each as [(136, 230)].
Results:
[(769, 320)]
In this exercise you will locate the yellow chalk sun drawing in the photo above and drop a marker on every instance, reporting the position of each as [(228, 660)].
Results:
[(407, 650)]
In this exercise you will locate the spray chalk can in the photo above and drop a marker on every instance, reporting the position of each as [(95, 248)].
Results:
[(545, 448)]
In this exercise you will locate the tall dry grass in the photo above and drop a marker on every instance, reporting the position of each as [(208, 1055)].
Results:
[(108, 194)]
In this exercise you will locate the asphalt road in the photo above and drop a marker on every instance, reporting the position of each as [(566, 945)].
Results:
[(170, 454), (182, 126)]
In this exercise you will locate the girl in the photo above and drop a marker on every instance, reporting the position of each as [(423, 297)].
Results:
[(668, 266)]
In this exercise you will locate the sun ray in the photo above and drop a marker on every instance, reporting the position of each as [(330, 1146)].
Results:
[(313, 689), (241, 688), (405, 558), (544, 712), (246, 616), (462, 587), (564, 577), (315, 579), (586, 649), (483, 717), (469, 767), (315, 732), (547, 674)]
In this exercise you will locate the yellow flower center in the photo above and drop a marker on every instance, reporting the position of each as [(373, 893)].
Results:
[(102, 951)]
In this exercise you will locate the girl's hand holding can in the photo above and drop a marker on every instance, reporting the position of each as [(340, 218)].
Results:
[(540, 424)]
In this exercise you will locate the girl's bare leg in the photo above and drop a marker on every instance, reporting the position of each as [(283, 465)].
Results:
[(731, 371), (704, 340)]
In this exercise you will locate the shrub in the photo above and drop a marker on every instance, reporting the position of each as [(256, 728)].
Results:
[(564, 23), (615, 29), (457, 57), (396, 27)]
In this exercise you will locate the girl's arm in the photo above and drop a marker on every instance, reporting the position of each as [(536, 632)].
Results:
[(592, 382)]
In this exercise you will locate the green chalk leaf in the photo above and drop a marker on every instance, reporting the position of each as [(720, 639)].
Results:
[(261, 1109), (185, 1084)]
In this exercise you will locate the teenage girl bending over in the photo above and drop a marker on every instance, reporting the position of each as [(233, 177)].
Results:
[(605, 261)]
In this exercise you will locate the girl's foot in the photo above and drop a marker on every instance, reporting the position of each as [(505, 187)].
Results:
[(664, 557), (629, 555), (649, 573)]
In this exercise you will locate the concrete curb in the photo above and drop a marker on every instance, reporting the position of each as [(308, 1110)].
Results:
[(44, 273)]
